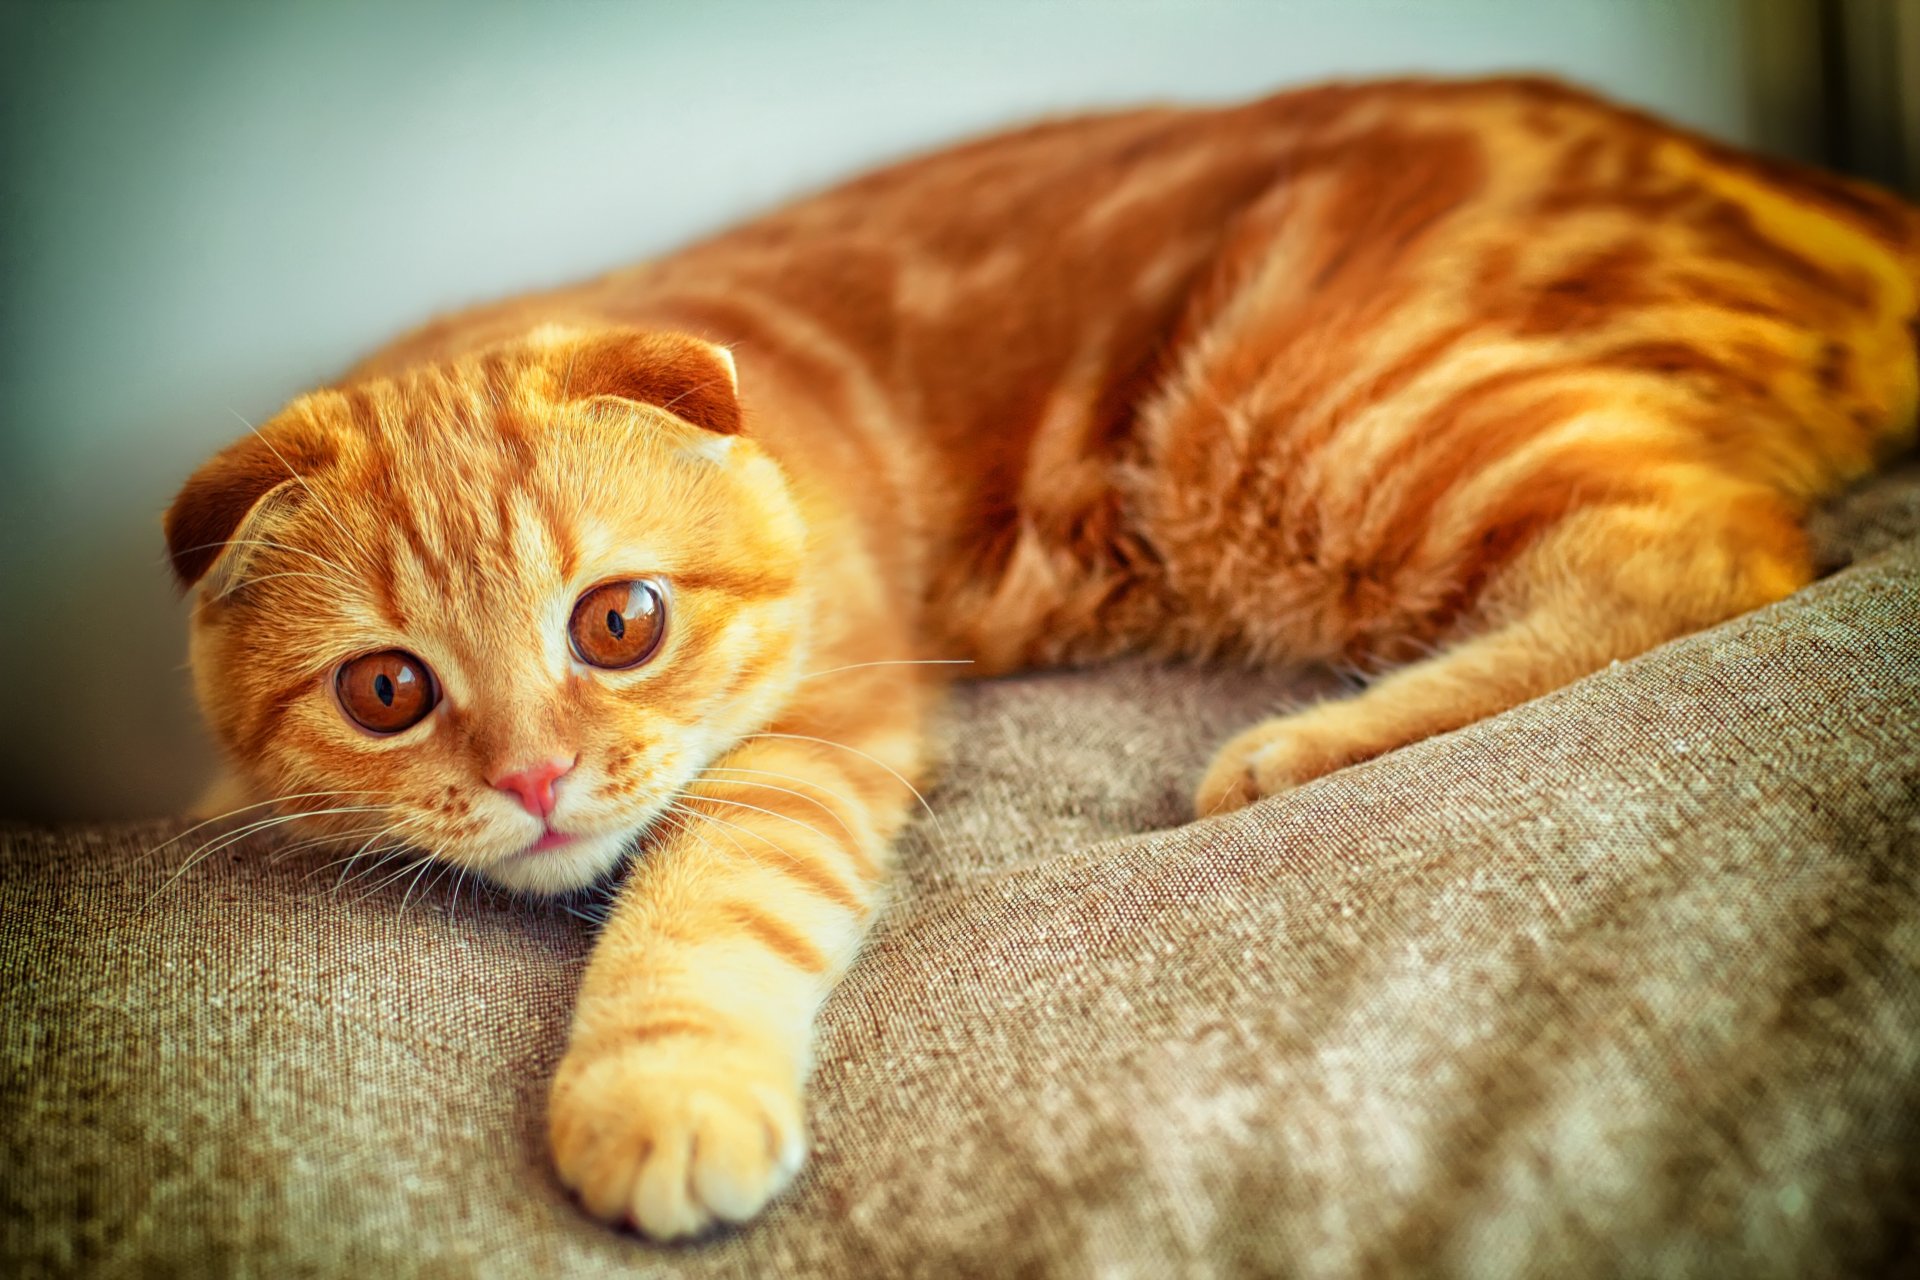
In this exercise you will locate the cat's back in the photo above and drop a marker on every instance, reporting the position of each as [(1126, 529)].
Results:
[(986, 336), (966, 287), (1057, 270)]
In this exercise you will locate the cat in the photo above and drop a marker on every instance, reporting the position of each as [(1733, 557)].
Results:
[(1474, 386)]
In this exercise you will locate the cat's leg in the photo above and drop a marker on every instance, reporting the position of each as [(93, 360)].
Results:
[(678, 1102), (1604, 584)]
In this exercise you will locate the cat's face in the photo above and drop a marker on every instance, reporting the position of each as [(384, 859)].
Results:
[(507, 610)]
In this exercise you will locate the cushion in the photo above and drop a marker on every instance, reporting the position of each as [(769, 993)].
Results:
[(1620, 982)]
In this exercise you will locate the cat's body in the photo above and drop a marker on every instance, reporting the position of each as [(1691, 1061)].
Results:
[(1491, 380)]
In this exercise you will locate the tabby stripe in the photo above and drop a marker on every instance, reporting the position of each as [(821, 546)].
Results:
[(779, 938), (1430, 462), (1671, 360), (1734, 233), (865, 775), (408, 528), (1410, 365), (661, 1028), (561, 528), (1727, 295), (708, 795), (1546, 494), (733, 580), (790, 791), (776, 856), (385, 582), (751, 672), (275, 708)]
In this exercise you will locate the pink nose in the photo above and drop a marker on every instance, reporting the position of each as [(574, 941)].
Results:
[(533, 786)]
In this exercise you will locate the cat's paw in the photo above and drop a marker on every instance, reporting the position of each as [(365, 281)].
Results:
[(1268, 760), (674, 1140)]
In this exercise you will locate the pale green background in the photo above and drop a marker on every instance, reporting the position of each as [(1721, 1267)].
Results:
[(207, 207)]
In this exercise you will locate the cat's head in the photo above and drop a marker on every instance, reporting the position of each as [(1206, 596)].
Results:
[(502, 610)]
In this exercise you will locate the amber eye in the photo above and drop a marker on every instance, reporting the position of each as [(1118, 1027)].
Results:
[(386, 692), (618, 624)]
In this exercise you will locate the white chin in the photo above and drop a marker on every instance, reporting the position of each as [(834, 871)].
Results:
[(562, 870)]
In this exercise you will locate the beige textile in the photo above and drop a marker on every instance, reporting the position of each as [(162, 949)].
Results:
[(1624, 982)]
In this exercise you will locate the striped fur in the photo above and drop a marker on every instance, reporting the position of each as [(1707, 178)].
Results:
[(1474, 387)]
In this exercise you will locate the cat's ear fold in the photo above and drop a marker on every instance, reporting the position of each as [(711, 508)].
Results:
[(688, 377), (225, 505)]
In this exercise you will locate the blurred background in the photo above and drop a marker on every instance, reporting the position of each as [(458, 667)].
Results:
[(205, 208)]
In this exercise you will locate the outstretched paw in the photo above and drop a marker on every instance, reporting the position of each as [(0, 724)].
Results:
[(1269, 759), (675, 1139)]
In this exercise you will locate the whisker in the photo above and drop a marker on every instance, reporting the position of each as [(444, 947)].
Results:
[(673, 822), (745, 831), (285, 851), (405, 866), (287, 573), (381, 855), (212, 847), (217, 844), (358, 853), (771, 813), (260, 804), (459, 882), (441, 870), (570, 909), (878, 764), (366, 850), (679, 818), (347, 574), (700, 386), (227, 838), (346, 863), (379, 830), (453, 874), (414, 883), (351, 540), (818, 803)]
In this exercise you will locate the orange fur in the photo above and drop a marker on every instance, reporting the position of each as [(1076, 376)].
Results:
[(1490, 379)]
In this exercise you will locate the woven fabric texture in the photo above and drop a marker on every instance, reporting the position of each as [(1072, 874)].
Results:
[(1626, 981)]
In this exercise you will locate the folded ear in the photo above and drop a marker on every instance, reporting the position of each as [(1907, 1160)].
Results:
[(231, 497), (688, 377)]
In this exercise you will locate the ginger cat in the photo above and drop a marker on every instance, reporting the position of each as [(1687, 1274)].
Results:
[(1481, 385)]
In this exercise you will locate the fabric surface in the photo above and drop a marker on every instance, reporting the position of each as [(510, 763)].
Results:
[(1621, 982)]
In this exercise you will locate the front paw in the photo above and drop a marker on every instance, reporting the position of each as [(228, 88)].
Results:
[(1270, 759), (675, 1138)]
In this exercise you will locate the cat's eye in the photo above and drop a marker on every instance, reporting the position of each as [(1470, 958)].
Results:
[(618, 624), (385, 692)]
